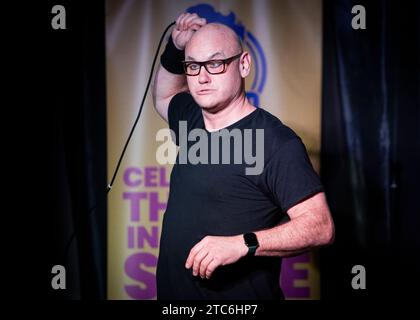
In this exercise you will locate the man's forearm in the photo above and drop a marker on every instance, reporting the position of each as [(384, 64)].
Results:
[(165, 86), (300, 234), (170, 78), (294, 237)]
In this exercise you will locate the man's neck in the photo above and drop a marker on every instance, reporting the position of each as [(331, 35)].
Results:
[(235, 111)]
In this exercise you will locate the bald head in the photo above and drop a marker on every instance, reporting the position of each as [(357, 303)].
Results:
[(214, 91), (213, 38)]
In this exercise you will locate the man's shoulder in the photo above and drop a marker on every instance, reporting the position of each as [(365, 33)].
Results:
[(275, 131), (183, 107), (183, 97)]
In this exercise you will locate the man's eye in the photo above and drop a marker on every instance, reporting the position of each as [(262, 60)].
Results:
[(214, 64), (193, 66)]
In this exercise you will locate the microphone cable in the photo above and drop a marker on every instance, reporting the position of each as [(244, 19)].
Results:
[(109, 187)]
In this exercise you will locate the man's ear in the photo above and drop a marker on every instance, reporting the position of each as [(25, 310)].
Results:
[(245, 64)]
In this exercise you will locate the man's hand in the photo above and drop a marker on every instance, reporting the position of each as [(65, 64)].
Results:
[(186, 25), (212, 252)]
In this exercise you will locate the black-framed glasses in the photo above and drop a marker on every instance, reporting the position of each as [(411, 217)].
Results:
[(217, 66)]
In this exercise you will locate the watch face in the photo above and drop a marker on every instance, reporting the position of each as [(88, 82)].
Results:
[(250, 239)]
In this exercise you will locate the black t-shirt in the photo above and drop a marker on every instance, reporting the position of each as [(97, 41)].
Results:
[(221, 199)]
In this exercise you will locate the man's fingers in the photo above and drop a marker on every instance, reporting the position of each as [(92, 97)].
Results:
[(197, 261), (191, 256), (196, 21), (204, 264), (181, 22), (178, 21), (190, 260), (185, 19), (211, 267), (200, 21), (195, 26), (188, 20)]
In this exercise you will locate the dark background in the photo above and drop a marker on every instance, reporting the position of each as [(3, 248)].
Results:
[(369, 162), (78, 84), (371, 147)]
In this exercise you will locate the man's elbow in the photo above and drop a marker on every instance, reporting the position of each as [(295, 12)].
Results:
[(328, 232)]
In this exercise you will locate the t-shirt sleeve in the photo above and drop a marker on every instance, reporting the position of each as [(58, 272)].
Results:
[(182, 107), (289, 176)]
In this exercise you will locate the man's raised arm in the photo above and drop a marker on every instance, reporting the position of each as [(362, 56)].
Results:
[(170, 78)]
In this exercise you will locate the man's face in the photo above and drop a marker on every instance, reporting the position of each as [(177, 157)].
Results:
[(213, 91)]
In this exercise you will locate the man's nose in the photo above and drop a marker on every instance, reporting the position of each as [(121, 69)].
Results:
[(203, 76)]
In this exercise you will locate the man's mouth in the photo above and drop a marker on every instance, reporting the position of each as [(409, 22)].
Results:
[(204, 91)]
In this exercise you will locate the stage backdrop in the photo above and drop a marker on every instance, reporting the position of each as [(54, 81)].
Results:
[(284, 39)]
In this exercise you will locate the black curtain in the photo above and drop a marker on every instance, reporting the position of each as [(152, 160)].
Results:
[(371, 147), (77, 82)]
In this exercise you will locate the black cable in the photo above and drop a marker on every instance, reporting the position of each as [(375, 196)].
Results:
[(109, 187)]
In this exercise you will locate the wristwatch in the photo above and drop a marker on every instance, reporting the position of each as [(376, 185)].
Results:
[(251, 242)]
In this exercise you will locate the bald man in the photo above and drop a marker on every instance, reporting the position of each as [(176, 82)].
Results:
[(225, 231)]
